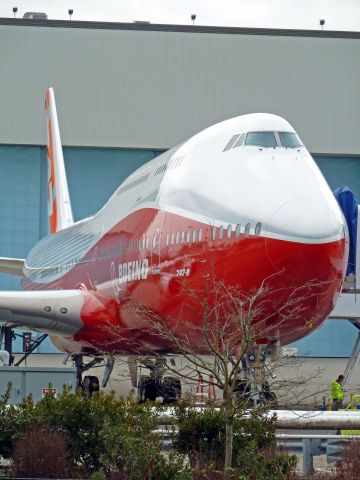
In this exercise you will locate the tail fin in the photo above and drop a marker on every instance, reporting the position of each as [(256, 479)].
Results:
[(59, 206)]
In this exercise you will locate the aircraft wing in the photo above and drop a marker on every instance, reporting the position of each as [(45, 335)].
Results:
[(56, 312), (14, 266)]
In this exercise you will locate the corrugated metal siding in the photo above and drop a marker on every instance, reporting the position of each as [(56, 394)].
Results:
[(152, 89), (341, 171)]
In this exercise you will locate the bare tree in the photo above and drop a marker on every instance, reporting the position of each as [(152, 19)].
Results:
[(232, 324)]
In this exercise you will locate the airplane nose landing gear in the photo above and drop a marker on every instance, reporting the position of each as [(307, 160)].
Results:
[(252, 387), (90, 383)]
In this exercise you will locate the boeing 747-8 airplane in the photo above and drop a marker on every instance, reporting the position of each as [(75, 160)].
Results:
[(243, 196)]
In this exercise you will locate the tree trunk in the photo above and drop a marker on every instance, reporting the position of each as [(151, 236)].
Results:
[(229, 428), (229, 434)]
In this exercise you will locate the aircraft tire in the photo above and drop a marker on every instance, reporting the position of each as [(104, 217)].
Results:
[(147, 389), (268, 398), (171, 389), (90, 385), (242, 392)]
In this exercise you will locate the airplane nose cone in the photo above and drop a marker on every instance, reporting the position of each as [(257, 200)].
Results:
[(308, 253), (308, 220), (314, 243)]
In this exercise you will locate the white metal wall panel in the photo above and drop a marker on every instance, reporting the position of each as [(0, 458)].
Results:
[(152, 89)]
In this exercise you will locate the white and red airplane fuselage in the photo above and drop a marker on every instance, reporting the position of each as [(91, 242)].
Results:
[(242, 200)]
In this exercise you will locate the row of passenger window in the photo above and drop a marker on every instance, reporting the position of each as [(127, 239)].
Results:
[(175, 238), (187, 236), (136, 245), (178, 238), (133, 246)]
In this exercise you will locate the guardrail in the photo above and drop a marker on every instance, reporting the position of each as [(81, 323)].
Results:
[(313, 445), (307, 446)]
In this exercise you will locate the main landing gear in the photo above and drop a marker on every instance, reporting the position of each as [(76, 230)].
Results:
[(149, 387), (90, 383), (155, 385), (252, 387)]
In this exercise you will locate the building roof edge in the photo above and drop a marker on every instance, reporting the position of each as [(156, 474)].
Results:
[(159, 27)]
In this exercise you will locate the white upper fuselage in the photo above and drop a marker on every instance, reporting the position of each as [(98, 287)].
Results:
[(280, 188)]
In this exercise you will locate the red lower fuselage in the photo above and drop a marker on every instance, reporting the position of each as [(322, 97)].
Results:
[(156, 257)]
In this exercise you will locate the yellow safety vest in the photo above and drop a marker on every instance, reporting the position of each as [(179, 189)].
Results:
[(337, 391)]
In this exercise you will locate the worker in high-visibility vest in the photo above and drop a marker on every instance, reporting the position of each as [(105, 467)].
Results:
[(337, 392)]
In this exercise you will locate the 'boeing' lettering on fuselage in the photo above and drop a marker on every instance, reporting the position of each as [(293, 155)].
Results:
[(135, 270)]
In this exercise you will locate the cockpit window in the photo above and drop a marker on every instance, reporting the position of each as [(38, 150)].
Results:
[(231, 142), (289, 140), (239, 141), (261, 139)]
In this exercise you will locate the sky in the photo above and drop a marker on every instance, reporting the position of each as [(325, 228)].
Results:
[(297, 14)]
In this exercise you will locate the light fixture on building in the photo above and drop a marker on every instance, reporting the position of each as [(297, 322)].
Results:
[(322, 23), (70, 12), (15, 9), (193, 18)]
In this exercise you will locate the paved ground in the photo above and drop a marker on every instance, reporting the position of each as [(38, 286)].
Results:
[(298, 381)]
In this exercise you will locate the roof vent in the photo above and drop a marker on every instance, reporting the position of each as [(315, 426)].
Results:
[(142, 22), (35, 15)]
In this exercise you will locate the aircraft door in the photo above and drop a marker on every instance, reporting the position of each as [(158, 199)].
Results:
[(93, 267), (156, 245)]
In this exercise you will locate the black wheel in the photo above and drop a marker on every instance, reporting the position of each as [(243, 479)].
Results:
[(171, 389), (148, 389), (90, 385), (141, 390), (242, 391), (151, 390), (268, 398)]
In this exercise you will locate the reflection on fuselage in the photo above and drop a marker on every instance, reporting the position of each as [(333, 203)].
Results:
[(242, 200)]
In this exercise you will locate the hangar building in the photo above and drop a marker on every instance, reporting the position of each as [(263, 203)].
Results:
[(126, 92)]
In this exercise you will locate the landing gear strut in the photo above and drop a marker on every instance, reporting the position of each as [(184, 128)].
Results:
[(90, 383), (252, 386)]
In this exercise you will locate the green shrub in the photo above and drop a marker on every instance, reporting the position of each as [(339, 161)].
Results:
[(82, 421), (201, 436), (268, 464), (118, 438), (132, 447), (103, 434), (15, 420), (97, 476)]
